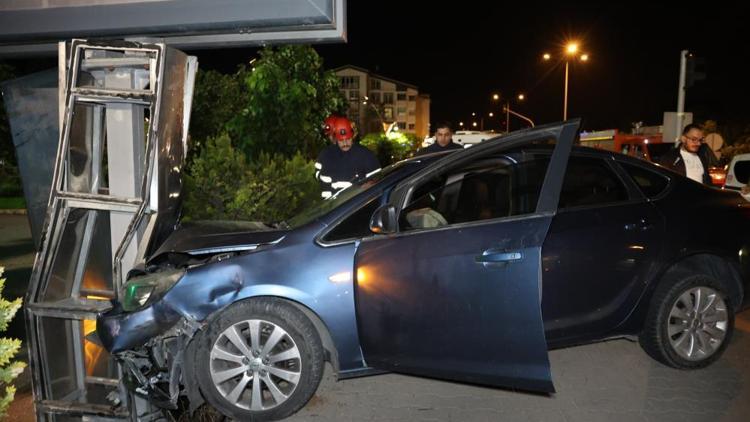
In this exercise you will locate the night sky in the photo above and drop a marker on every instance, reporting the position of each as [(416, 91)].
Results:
[(460, 54)]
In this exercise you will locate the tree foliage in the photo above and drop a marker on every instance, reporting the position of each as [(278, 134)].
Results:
[(390, 148), (288, 96), (222, 185), (9, 347), (218, 98)]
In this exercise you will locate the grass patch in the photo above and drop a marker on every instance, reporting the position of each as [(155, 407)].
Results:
[(12, 203)]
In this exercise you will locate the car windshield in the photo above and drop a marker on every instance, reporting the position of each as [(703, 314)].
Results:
[(345, 195)]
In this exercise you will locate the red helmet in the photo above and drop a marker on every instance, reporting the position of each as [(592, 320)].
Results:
[(328, 125), (342, 129)]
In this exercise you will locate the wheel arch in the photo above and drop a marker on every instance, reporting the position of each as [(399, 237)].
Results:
[(331, 353), (715, 266)]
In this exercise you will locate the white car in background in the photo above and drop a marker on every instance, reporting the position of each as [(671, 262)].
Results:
[(738, 175), (465, 138)]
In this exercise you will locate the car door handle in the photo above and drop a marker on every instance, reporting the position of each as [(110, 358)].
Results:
[(495, 256)]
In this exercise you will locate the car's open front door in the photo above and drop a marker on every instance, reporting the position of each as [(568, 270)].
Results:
[(454, 292)]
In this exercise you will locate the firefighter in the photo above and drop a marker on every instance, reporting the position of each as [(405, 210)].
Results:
[(328, 128), (338, 165)]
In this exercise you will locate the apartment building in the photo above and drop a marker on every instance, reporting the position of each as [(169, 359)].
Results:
[(376, 101)]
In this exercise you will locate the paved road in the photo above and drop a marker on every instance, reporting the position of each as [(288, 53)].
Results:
[(611, 381)]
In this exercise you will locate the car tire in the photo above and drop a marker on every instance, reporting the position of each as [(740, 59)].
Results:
[(259, 360), (689, 323)]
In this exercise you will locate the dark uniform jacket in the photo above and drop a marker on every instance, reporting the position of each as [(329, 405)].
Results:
[(435, 147), (336, 169)]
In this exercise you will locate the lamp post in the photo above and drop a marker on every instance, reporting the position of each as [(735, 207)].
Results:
[(571, 52)]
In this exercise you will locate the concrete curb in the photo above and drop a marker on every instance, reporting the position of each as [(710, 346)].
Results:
[(13, 212)]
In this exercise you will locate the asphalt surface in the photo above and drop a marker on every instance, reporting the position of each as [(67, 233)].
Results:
[(609, 381)]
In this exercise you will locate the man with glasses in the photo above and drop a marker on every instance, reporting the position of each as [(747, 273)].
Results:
[(692, 157)]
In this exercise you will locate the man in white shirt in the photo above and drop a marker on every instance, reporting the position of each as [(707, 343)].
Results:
[(692, 158)]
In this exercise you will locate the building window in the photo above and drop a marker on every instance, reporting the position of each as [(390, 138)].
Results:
[(412, 113), (411, 126), (374, 84), (354, 95), (353, 105), (375, 97), (387, 98), (349, 82), (402, 125), (388, 113), (412, 98), (401, 96), (401, 111)]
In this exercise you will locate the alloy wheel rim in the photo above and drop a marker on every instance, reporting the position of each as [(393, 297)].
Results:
[(697, 324), (255, 365)]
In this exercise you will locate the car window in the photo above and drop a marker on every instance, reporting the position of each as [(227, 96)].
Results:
[(742, 171), (590, 181), (655, 151), (356, 225), (651, 183), (495, 187)]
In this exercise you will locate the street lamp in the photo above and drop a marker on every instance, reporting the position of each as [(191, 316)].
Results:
[(508, 111), (571, 53)]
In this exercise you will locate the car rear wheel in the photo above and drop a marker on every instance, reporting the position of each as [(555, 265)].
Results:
[(689, 323), (259, 360)]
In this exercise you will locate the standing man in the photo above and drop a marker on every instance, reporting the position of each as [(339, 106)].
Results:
[(338, 165), (691, 158), (443, 140)]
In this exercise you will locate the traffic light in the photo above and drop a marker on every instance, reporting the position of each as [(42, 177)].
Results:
[(696, 70)]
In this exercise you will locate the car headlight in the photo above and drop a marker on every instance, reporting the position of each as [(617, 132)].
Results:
[(138, 291)]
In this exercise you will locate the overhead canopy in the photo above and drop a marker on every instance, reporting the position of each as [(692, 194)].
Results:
[(35, 26)]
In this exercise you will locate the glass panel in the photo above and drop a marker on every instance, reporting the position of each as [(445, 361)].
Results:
[(492, 187), (590, 181), (651, 183), (86, 161), (62, 380), (84, 257), (72, 360), (89, 164)]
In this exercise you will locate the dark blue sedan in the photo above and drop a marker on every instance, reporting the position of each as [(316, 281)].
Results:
[(465, 266)]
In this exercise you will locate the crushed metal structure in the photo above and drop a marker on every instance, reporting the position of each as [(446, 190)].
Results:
[(115, 196)]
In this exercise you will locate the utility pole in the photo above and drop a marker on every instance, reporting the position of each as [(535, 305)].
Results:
[(681, 93)]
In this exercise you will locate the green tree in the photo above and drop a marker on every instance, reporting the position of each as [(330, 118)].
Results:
[(222, 185), (218, 98), (390, 148), (289, 94), (8, 349)]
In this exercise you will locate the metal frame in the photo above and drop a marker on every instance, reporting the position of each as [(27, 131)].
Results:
[(71, 212)]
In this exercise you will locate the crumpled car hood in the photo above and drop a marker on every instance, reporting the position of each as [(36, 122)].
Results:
[(212, 237)]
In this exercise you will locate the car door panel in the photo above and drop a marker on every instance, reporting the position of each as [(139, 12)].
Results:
[(445, 313), (596, 263), (462, 302)]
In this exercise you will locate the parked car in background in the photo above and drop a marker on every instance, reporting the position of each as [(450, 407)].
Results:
[(465, 266), (738, 175)]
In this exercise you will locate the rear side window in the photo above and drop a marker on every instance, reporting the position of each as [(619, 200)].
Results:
[(590, 181), (651, 183)]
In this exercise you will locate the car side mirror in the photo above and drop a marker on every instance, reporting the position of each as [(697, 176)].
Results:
[(384, 221)]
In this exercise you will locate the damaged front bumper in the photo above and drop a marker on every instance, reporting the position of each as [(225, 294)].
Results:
[(150, 344)]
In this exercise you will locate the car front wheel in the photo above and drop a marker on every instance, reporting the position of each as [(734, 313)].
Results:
[(259, 360), (689, 323)]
